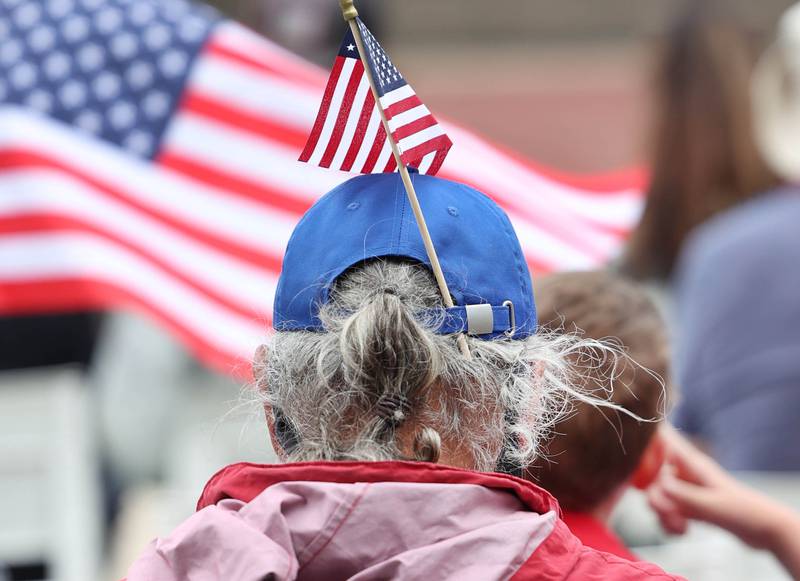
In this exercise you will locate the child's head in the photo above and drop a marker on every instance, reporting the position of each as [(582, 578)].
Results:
[(594, 453)]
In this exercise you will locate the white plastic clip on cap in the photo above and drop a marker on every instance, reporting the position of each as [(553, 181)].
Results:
[(480, 319)]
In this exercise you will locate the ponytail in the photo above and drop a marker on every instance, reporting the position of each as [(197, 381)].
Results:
[(389, 355)]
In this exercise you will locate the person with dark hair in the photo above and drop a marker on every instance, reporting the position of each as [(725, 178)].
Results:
[(595, 455), (389, 432), (704, 157), (739, 277)]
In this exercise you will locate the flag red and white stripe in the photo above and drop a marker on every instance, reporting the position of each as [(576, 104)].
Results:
[(194, 238)]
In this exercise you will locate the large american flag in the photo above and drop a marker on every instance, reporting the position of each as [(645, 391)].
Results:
[(148, 161), (348, 133)]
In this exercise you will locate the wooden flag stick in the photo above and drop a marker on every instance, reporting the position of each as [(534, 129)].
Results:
[(350, 13)]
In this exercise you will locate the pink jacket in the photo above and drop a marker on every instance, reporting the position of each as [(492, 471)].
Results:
[(377, 520)]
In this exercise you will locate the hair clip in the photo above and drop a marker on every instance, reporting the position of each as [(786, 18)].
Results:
[(393, 407)]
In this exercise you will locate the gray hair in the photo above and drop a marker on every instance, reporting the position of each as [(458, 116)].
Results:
[(379, 364)]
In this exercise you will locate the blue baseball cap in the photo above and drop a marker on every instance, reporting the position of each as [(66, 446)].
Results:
[(369, 216)]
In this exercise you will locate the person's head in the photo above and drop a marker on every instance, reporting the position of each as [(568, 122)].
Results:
[(704, 157), (776, 99), (593, 452), (365, 362)]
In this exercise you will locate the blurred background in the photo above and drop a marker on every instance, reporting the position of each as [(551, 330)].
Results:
[(110, 424)]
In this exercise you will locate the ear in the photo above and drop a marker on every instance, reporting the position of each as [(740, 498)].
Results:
[(273, 436), (651, 461), (259, 359)]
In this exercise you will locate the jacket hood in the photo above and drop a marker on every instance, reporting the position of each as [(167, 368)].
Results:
[(366, 521), (245, 480)]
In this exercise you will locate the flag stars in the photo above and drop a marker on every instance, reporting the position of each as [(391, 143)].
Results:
[(140, 75), (138, 142), (10, 51), (157, 37), (172, 63), (156, 104), (27, 15), (124, 46), (41, 38), (192, 29), (174, 10), (72, 94), (122, 115), (108, 20), (90, 121), (384, 70), (90, 57), (40, 100), (350, 47), (106, 86), (56, 66), (75, 28), (23, 76), (141, 13), (112, 69), (60, 8)]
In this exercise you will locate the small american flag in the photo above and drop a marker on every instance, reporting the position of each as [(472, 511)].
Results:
[(348, 133)]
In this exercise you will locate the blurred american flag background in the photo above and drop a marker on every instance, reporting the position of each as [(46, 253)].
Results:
[(148, 161)]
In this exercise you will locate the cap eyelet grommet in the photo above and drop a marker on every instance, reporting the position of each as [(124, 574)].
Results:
[(512, 317), (353, 206), (452, 210)]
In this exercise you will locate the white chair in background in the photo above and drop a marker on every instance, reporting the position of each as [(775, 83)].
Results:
[(50, 507)]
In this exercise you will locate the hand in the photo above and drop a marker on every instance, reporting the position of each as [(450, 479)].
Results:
[(693, 486)]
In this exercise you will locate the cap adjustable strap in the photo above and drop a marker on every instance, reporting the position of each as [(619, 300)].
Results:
[(480, 319)]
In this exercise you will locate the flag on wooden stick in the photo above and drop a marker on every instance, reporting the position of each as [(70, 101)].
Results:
[(348, 133), (414, 138)]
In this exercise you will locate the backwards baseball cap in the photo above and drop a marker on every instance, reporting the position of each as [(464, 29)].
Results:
[(370, 217)]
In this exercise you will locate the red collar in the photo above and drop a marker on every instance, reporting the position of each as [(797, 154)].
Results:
[(596, 535), (244, 481)]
